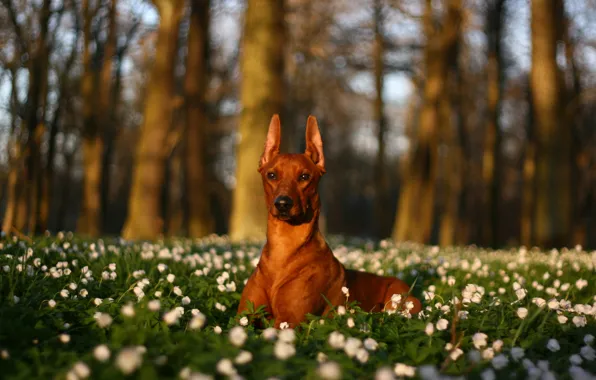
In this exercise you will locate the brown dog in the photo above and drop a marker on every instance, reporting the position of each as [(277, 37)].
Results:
[(297, 267)]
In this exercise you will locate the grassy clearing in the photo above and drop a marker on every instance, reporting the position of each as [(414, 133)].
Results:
[(75, 309)]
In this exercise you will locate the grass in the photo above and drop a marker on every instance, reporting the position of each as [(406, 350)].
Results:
[(72, 309)]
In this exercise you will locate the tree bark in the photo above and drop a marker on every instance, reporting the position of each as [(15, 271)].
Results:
[(380, 121), (528, 176), (200, 220), (145, 220), (491, 161), (262, 68), (552, 218), (417, 198)]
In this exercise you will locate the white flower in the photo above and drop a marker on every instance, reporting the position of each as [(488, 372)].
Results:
[(579, 321), (362, 355), (177, 291), (81, 370), (237, 336), (321, 357), (64, 293), (171, 277), (97, 301), (553, 304), (345, 291), (341, 310), (517, 353), (479, 340), (112, 266), (588, 339), (329, 370), (575, 359), (287, 335), (588, 353), (521, 293), (226, 367), (553, 345), (171, 317), (488, 374), (350, 322), (243, 357), (269, 333), (336, 340), (64, 338), (371, 344), (540, 302), (158, 293), (217, 330), (384, 373), (522, 312), (474, 356), (581, 283), (284, 325), (128, 360), (154, 305), (352, 345), (442, 324), (497, 345), (101, 353), (128, 310), (455, 353), (52, 303), (500, 361), (243, 321), (186, 300), (83, 293), (430, 329), (283, 350), (562, 319), (103, 320), (402, 370), (488, 353), (197, 321)]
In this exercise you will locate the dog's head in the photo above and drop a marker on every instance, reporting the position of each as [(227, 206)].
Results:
[(291, 180)]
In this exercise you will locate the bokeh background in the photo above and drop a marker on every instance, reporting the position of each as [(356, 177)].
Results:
[(444, 121)]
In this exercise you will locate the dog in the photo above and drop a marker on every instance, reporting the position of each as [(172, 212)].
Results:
[(297, 273)]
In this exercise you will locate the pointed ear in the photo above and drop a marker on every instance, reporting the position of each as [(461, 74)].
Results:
[(314, 143), (272, 142)]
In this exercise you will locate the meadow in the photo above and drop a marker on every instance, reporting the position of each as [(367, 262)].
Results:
[(109, 309)]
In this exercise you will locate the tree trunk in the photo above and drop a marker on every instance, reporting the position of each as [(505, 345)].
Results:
[(144, 219), (491, 161), (200, 220), (381, 123), (417, 198), (529, 183), (262, 68), (553, 197), (88, 222)]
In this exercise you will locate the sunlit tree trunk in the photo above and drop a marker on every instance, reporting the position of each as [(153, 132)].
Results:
[(491, 161), (262, 68), (92, 145), (200, 220), (553, 137), (418, 192), (145, 220)]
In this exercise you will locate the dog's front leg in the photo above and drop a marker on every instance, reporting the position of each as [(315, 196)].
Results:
[(254, 292)]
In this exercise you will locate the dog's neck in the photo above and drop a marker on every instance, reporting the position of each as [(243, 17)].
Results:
[(285, 239)]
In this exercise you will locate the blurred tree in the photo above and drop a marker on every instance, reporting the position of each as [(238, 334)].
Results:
[(200, 220), (552, 217), (491, 160), (417, 199), (144, 219), (262, 68)]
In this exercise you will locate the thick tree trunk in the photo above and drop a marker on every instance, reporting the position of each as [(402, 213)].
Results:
[(528, 176), (200, 220), (491, 161), (418, 192), (92, 145), (262, 68), (145, 220), (553, 198)]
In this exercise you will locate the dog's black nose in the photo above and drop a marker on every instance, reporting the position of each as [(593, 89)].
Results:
[(283, 203)]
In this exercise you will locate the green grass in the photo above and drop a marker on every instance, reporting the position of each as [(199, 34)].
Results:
[(46, 332)]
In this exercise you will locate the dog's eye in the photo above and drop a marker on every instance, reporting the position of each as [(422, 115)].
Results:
[(271, 176), (304, 177)]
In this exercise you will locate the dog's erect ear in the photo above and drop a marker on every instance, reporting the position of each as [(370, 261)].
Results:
[(314, 143), (272, 142)]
